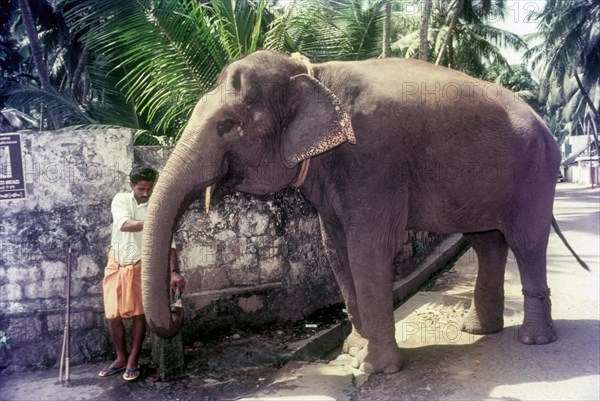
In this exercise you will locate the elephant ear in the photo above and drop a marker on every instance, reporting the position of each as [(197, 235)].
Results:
[(318, 122)]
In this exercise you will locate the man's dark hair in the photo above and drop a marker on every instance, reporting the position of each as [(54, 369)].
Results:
[(142, 173)]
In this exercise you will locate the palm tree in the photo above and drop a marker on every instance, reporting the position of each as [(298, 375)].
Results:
[(326, 30), (387, 30), (424, 29), (63, 86), (468, 42), (570, 46), (37, 54), (168, 53), (518, 79), (450, 31), (111, 76), (569, 57)]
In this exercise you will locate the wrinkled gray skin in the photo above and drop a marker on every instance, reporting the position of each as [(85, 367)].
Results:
[(394, 144)]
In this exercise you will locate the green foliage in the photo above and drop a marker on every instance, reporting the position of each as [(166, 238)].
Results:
[(570, 39), (64, 105), (518, 79), (150, 61), (475, 42), (153, 45), (325, 30), (567, 54), (170, 52)]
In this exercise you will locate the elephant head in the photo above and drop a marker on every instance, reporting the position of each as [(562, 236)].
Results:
[(264, 117)]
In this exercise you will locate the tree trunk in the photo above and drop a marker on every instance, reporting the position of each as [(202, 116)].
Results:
[(79, 70), (457, 12), (423, 32), (36, 52), (585, 93), (589, 102), (387, 30)]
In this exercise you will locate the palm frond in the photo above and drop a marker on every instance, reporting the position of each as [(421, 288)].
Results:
[(571, 40), (408, 45), (277, 37), (65, 107), (365, 29), (169, 58), (338, 30), (17, 118)]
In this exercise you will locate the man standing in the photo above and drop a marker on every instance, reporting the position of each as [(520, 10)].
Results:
[(122, 275)]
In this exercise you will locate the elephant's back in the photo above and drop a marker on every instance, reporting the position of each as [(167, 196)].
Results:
[(442, 133), (415, 103)]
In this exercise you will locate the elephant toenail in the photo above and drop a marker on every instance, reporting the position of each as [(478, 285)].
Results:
[(527, 340)]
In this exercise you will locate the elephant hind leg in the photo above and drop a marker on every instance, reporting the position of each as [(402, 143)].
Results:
[(529, 242), (487, 307), (538, 327)]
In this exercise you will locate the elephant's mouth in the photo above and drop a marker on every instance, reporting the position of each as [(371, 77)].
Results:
[(222, 186)]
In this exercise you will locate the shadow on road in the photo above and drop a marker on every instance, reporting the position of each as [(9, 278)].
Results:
[(480, 370)]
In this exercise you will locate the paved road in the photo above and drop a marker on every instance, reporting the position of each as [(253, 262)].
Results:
[(441, 363)]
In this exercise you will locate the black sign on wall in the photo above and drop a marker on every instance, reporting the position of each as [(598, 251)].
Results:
[(12, 181)]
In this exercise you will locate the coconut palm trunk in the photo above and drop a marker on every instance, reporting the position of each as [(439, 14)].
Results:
[(36, 52), (387, 30), (451, 28), (424, 30)]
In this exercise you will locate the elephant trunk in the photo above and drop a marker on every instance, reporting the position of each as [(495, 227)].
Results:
[(181, 179)]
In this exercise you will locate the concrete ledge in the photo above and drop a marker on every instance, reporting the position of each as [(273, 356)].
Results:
[(197, 300), (446, 252), (327, 340)]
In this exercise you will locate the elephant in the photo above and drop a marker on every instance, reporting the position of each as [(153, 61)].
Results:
[(378, 147)]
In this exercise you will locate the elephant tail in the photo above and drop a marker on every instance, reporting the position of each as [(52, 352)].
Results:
[(564, 240)]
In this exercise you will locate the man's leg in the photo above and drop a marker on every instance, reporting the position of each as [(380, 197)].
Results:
[(117, 335), (138, 333)]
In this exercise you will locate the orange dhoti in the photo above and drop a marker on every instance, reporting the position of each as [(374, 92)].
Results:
[(122, 288)]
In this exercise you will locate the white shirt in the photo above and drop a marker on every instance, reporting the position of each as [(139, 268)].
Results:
[(127, 246)]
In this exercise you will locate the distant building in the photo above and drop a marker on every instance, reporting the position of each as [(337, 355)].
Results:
[(581, 160)]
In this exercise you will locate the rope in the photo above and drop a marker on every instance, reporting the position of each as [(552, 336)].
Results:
[(304, 60)]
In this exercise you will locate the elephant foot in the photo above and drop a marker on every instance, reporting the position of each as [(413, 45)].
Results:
[(537, 327), (482, 323), (354, 343), (378, 359)]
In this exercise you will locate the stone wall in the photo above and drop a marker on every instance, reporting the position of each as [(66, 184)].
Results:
[(70, 178), (250, 261)]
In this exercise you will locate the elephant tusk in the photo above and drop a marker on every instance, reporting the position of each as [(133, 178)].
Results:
[(207, 199)]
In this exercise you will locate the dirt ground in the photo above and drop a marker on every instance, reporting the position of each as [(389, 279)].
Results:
[(224, 368)]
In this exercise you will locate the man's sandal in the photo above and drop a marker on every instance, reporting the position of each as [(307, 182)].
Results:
[(110, 371), (131, 374)]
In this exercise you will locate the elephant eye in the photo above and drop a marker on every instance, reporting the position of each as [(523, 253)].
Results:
[(225, 126)]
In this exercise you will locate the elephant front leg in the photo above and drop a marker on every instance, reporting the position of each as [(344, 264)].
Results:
[(334, 244), (354, 343), (372, 273)]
